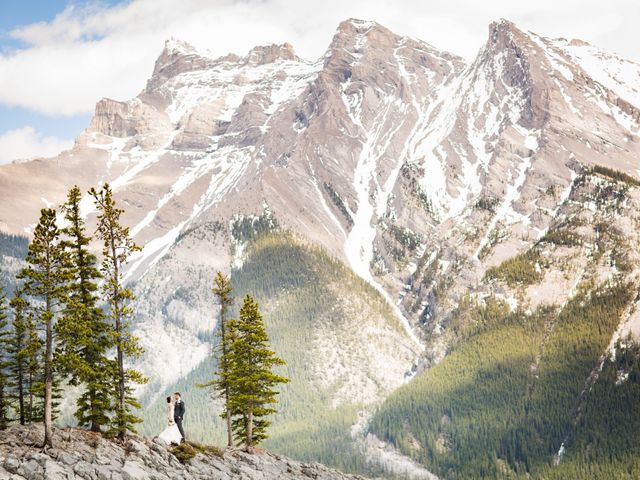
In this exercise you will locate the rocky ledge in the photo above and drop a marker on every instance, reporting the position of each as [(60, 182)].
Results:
[(78, 454)]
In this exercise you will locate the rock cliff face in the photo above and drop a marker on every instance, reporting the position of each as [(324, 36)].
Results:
[(79, 454)]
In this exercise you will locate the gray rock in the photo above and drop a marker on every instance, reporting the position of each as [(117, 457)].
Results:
[(134, 471), (31, 470), (12, 464), (55, 471), (80, 455), (84, 470), (104, 472)]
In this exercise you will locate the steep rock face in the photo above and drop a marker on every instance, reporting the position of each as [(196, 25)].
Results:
[(519, 134), (81, 454)]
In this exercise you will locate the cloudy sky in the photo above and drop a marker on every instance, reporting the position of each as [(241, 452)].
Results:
[(58, 57)]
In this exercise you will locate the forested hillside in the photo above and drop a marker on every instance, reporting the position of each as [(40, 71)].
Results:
[(13, 249), (504, 402), (302, 292)]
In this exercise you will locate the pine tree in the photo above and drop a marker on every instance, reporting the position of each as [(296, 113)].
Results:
[(251, 379), (83, 332), (222, 290), (46, 278), (16, 348), (4, 363), (25, 350), (33, 355), (117, 249)]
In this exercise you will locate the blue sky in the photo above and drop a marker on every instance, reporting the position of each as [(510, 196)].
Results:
[(15, 14), (59, 57)]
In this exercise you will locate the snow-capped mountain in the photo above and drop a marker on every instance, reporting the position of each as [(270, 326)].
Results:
[(391, 155)]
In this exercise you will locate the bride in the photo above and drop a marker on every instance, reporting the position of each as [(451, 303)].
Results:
[(171, 434)]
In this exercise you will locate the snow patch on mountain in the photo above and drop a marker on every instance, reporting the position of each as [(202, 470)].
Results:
[(617, 74), (505, 212)]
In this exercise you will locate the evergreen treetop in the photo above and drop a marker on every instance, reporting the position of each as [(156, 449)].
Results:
[(251, 378)]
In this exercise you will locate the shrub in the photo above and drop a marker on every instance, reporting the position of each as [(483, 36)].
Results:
[(188, 450), (184, 452)]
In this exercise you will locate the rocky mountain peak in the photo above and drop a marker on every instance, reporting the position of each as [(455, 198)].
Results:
[(354, 35), (177, 46), (505, 35), (264, 54), (176, 57)]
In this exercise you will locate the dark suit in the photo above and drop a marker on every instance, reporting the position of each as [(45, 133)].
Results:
[(178, 416)]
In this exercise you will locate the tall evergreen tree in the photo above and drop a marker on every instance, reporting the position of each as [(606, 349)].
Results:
[(15, 346), (222, 290), (4, 362), (18, 350), (251, 378), (33, 355), (83, 331), (117, 249), (46, 278)]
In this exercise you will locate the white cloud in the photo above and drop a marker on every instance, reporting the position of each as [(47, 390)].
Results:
[(26, 142), (90, 52)]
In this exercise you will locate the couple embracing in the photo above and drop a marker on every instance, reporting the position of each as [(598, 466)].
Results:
[(174, 433)]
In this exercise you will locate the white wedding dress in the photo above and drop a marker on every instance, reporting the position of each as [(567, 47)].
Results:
[(171, 434)]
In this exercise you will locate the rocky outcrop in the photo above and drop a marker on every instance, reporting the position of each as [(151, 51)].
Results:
[(78, 454)]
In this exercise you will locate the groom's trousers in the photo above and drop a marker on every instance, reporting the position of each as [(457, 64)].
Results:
[(179, 424)]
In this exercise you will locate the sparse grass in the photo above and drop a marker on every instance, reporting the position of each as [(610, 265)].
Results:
[(184, 452), (207, 449), (187, 451)]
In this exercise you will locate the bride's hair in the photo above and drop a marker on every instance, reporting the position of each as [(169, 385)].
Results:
[(168, 399)]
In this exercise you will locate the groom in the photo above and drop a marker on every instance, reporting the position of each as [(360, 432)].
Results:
[(178, 413)]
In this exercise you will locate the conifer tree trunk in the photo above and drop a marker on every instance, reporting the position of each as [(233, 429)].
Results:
[(5, 363), (21, 395), (225, 348), (118, 329), (48, 367), (17, 345), (30, 398), (249, 444), (229, 424), (48, 382)]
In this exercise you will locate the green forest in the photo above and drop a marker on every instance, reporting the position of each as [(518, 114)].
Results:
[(501, 404)]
